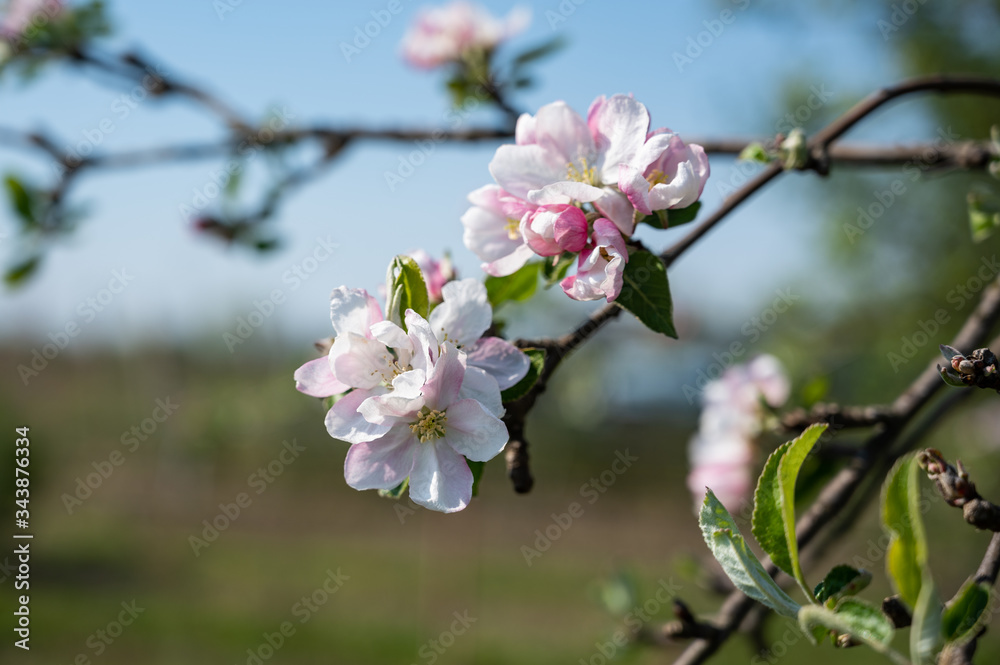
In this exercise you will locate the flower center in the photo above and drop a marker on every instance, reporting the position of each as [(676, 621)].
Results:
[(657, 177), (583, 173), (430, 424), (513, 228), (391, 368)]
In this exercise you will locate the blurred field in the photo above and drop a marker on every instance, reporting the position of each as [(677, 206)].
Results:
[(407, 574)]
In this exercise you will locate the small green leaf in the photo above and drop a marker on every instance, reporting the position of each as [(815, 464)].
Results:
[(774, 499), (738, 561), (517, 287), (521, 388), (542, 50), (22, 271), (407, 290), (477, 474), (984, 218), (852, 616), (553, 270), (925, 630), (961, 618), (907, 550), (675, 218), (21, 200), (396, 492), (840, 582), (646, 293), (755, 152)]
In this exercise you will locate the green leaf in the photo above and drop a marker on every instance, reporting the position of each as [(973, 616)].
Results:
[(477, 474), (521, 388), (542, 50), (21, 200), (406, 289), (738, 561), (554, 270), (774, 503), (518, 287), (925, 630), (984, 218), (22, 271), (907, 550), (815, 391), (852, 616), (679, 216), (961, 619), (396, 492), (840, 582), (755, 152), (646, 293)]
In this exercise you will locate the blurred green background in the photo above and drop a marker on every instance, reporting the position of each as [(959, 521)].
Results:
[(407, 573)]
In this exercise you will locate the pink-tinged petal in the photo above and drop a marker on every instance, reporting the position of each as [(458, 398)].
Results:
[(359, 361), (570, 229), (500, 359), (404, 400), (391, 335), (490, 235), (444, 380), (600, 268), (474, 432), (616, 207), (564, 192), (609, 236), (680, 192), (655, 152), (619, 126), (483, 388), (562, 132), (465, 313), (316, 379), (635, 186), (440, 479), (345, 423), (353, 310), (509, 264), (381, 464), (768, 376), (425, 344), (519, 169), (524, 130)]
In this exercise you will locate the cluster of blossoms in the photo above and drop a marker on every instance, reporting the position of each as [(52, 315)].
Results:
[(578, 187), (722, 450), (416, 402), (20, 14), (458, 31)]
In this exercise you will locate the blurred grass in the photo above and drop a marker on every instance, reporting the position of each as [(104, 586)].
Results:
[(408, 572)]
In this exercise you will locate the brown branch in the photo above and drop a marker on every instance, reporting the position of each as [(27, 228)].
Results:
[(989, 567), (954, 485)]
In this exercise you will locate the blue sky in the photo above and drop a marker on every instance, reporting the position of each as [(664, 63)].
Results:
[(263, 56)]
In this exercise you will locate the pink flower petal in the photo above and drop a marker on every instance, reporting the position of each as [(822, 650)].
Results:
[(440, 479), (316, 379), (383, 463), (345, 423), (500, 359), (474, 432)]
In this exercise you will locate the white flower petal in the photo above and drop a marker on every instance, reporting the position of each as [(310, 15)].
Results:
[(440, 479)]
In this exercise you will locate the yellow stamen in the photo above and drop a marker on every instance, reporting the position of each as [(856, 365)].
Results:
[(513, 228), (430, 426), (585, 174), (657, 177)]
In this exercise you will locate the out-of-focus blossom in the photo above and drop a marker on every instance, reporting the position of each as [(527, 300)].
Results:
[(449, 33), (722, 450), (20, 14), (436, 273)]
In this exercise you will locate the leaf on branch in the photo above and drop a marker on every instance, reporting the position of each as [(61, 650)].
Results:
[(477, 474), (521, 388), (406, 289), (22, 271), (842, 581), (646, 293), (861, 620), (738, 561), (774, 503), (907, 550), (553, 270), (961, 619), (22, 202), (668, 219), (542, 50), (518, 286)]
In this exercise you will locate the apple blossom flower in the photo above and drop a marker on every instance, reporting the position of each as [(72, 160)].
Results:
[(731, 419), (21, 13), (552, 230), (430, 432), (664, 173), (601, 266), (436, 273), (493, 230), (449, 33)]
